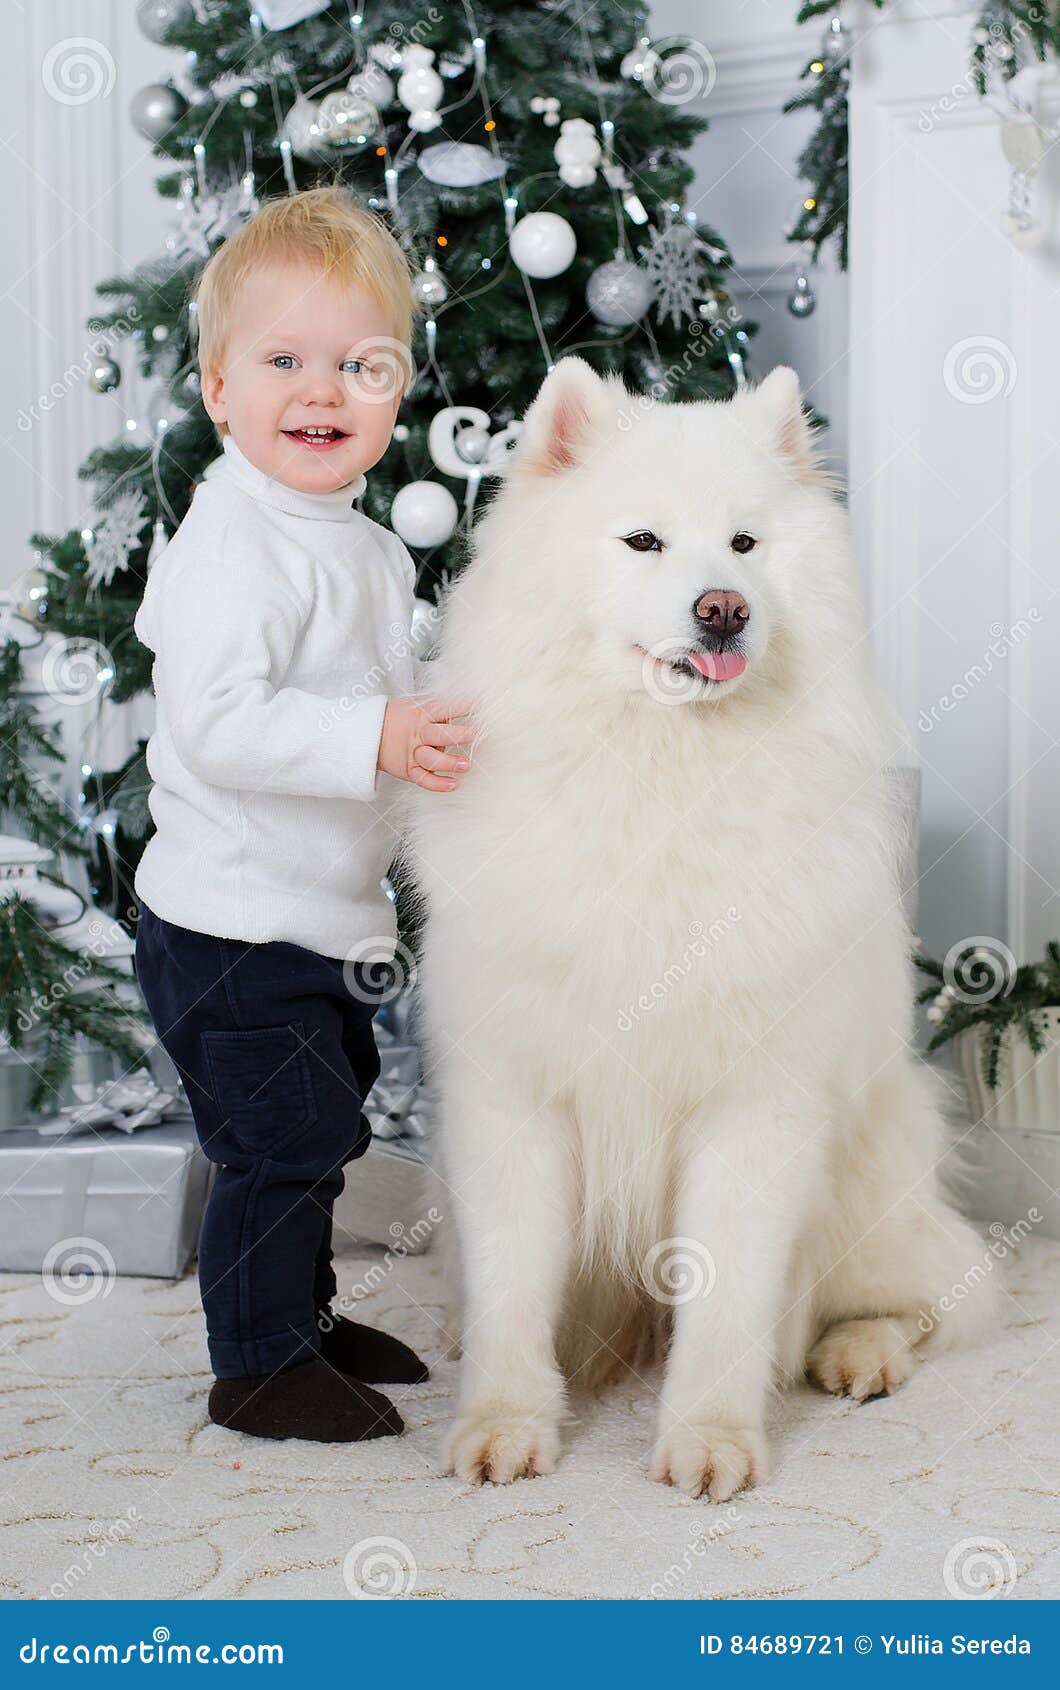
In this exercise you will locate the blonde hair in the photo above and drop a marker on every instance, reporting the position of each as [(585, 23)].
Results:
[(320, 225)]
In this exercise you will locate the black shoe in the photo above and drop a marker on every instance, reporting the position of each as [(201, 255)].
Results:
[(366, 1354), (310, 1400)]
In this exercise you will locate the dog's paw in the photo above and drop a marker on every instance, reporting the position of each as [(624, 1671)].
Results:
[(861, 1359), (719, 1460), (500, 1446)]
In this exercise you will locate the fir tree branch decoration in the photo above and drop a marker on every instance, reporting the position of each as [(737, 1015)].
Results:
[(973, 989), (23, 790), (1007, 35), (45, 1002)]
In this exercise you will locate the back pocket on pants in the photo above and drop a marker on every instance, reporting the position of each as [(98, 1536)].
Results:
[(262, 1084)]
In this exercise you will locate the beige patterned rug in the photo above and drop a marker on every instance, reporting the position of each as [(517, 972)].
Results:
[(115, 1484)]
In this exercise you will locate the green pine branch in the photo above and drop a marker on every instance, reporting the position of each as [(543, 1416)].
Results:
[(46, 1001)]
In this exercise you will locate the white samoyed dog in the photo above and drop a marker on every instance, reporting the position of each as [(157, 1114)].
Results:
[(666, 978)]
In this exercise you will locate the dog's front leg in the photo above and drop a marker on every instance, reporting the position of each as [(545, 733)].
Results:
[(514, 1209), (738, 1213)]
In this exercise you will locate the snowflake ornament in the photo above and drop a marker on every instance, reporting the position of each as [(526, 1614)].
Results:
[(202, 221), (675, 264), (114, 537)]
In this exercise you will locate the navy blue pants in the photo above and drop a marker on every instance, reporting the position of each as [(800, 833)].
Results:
[(277, 1054)]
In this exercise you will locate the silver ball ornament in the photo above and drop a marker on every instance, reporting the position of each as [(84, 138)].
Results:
[(802, 301), (105, 375), (619, 293), (347, 119), (155, 109), (472, 444), (430, 288), (155, 16)]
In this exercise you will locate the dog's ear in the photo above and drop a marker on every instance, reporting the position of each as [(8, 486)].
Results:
[(570, 410), (781, 421)]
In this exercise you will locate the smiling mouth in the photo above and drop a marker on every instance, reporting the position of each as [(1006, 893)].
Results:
[(714, 666), (316, 439)]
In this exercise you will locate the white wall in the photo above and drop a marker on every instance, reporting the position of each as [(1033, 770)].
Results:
[(747, 188), (78, 185), (955, 467)]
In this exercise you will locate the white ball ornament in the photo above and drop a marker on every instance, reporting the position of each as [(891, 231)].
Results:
[(542, 244), (372, 84), (303, 128), (424, 514)]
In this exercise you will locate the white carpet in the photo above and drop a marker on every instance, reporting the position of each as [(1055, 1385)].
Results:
[(114, 1483)]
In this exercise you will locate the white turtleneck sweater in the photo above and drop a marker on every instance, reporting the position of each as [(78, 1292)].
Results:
[(280, 623)]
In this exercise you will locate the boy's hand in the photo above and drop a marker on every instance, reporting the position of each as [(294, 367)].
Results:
[(415, 733)]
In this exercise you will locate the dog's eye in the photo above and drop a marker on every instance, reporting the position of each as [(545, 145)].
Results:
[(743, 542), (643, 540)]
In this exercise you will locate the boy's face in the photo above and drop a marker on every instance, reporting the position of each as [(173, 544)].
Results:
[(305, 352)]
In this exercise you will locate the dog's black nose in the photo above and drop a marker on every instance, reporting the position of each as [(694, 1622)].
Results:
[(722, 612)]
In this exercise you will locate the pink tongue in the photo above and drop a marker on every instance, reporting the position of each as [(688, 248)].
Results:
[(718, 665)]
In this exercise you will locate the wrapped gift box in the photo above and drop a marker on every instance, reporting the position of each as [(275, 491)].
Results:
[(138, 1197), (385, 1199)]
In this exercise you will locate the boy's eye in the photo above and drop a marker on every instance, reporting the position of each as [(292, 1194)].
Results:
[(355, 365), (283, 359), (643, 540)]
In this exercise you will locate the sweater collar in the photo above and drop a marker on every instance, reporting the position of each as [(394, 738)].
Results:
[(328, 507)]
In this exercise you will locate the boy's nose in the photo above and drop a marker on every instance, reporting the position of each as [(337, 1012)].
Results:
[(323, 390)]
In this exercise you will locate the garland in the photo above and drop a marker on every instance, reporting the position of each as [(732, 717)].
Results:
[(1005, 36)]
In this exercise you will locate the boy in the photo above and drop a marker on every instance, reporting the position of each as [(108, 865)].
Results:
[(279, 617)]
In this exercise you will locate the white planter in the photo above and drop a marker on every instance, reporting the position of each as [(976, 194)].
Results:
[(1013, 1148), (1027, 1098)]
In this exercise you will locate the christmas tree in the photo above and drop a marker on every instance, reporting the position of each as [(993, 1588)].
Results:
[(529, 156)]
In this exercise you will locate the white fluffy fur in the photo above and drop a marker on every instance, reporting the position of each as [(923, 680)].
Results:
[(729, 859)]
